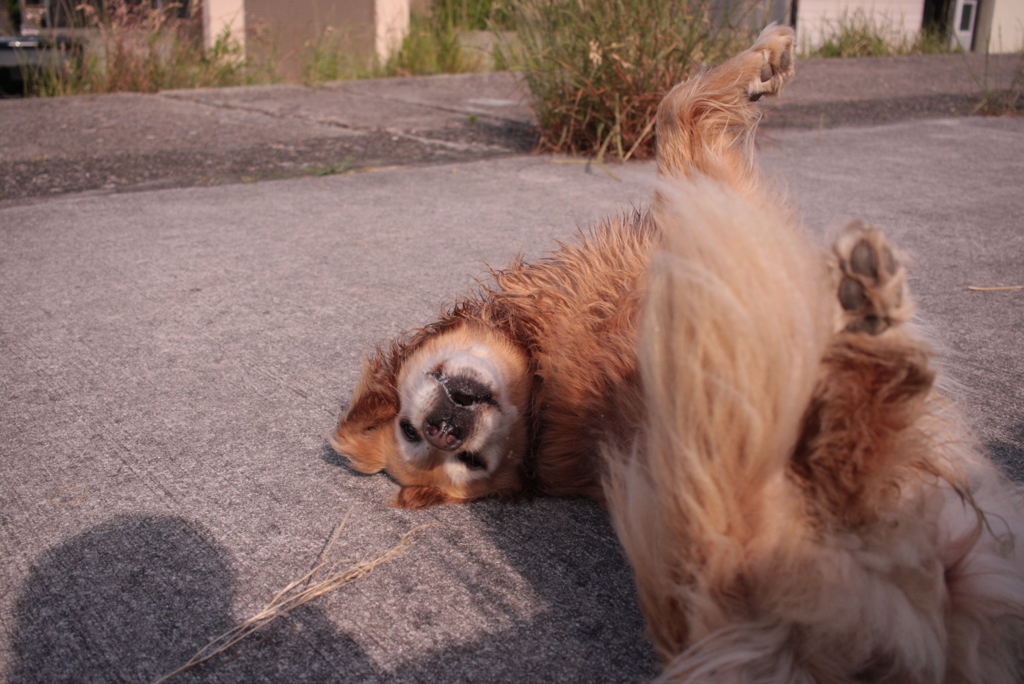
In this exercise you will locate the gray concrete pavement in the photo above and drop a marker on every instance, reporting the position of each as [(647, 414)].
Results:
[(114, 143), (131, 141), (173, 360)]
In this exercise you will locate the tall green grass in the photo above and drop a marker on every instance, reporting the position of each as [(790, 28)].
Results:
[(432, 45), (597, 69), (134, 47), (329, 57)]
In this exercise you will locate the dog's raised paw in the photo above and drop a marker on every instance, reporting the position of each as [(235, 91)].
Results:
[(872, 281), (772, 56)]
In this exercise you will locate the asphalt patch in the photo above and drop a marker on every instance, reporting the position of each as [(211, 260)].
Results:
[(120, 171)]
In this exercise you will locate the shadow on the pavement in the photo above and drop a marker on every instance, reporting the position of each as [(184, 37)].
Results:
[(134, 598), (1009, 453), (590, 629)]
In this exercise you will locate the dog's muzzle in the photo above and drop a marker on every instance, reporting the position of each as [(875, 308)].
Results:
[(452, 418)]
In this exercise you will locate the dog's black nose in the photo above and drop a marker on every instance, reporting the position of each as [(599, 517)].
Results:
[(453, 415), (443, 433)]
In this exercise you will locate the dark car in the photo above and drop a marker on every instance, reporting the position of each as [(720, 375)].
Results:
[(23, 58)]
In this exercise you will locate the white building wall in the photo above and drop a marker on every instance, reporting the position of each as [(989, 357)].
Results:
[(219, 15), (1000, 26), (380, 25), (819, 18), (391, 24)]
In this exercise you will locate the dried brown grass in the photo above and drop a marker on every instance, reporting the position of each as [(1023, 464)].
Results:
[(597, 69), (335, 574)]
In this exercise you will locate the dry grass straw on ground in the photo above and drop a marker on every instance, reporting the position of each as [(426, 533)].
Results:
[(975, 288), (597, 69), (322, 579)]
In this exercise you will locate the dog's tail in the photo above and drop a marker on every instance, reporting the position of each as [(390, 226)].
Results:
[(733, 334)]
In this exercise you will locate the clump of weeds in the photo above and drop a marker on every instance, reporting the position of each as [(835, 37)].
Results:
[(597, 69), (1000, 101), (135, 47)]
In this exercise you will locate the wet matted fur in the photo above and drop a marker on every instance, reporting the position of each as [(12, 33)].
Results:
[(798, 499)]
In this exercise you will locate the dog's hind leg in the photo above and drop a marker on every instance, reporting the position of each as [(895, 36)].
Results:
[(705, 124), (878, 440), (859, 440)]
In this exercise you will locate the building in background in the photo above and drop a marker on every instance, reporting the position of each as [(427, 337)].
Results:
[(999, 27), (375, 28), (368, 27), (976, 25)]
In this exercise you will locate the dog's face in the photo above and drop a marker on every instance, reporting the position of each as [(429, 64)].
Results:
[(446, 417)]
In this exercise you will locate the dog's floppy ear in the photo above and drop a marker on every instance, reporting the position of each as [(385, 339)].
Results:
[(363, 446), (419, 496), (362, 435)]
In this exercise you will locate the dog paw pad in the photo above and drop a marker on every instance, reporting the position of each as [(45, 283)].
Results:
[(871, 281), (852, 295), (772, 56)]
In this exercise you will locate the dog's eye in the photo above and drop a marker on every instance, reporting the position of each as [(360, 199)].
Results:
[(409, 432), (471, 460)]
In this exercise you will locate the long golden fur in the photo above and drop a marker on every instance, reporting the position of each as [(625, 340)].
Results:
[(796, 496)]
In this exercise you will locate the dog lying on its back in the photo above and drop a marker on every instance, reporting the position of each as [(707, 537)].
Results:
[(514, 387), (799, 503)]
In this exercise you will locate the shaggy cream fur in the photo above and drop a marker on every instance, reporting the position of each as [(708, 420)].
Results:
[(798, 499)]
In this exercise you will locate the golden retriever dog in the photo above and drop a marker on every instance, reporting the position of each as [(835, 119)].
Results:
[(796, 494), (514, 388)]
